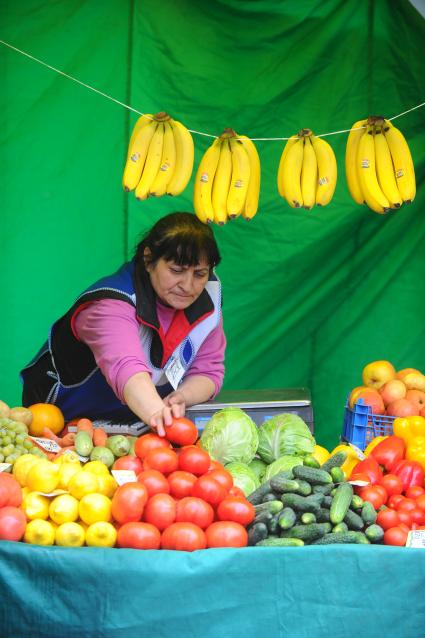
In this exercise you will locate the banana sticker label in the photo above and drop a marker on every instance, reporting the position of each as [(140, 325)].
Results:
[(365, 163), (238, 183), (164, 167), (135, 157), (205, 178), (323, 180), (399, 173)]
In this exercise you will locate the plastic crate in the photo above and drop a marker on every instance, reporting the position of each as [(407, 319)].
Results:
[(361, 425)]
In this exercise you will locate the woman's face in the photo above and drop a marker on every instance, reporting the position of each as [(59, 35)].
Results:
[(178, 286)]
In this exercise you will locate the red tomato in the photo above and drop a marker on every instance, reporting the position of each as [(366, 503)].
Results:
[(375, 494), (139, 536), (215, 465), (395, 536), (155, 482), (162, 459), (223, 477), (392, 484), (407, 504), (12, 488), (236, 491), (417, 515), (404, 517), (182, 431), (160, 511), (128, 462), (193, 459), (236, 509), (226, 534), (394, 500), (185, 537), (194, 510), (420, 501), (209, 489), (387, 518), (12, 523), (148, 442), (181, 483), (128, 502), (415, 491)]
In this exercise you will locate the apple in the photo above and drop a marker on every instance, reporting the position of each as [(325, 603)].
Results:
[(377, 373), (415, 381), (392, 390), (401, 407), (417, 397), (354, 394), (400, 374), (371, 398)]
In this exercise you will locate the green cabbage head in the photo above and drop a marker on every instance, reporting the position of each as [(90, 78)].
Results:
[(284, 434), (230, 435), (243, 477)]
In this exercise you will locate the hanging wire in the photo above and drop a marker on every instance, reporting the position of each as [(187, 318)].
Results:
[(130, 108)]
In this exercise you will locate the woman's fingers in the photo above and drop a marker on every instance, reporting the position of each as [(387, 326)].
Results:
[(161, 419)]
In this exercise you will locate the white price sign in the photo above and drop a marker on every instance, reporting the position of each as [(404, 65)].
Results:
[(124, 476), (4, 467), (46, 444), (416, 538)]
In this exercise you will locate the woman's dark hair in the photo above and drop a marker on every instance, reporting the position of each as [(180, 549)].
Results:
[(179, 237)]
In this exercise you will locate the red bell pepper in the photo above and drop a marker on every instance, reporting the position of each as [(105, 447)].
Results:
[(370, 467), (389, 451), (410, 472)]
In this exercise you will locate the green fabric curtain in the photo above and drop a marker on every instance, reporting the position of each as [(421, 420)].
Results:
[(309, 297)]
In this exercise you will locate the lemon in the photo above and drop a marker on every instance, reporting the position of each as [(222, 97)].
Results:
[(107, 485), (82, 483), (101, 534), (95, 507), (63, 509), (43, 477), (68, 457), (22, 465), (34, 505), (39, 532), (96, 467), (66, 472), (70, 535)]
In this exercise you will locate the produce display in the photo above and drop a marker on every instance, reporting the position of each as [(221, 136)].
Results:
[(379, 166)]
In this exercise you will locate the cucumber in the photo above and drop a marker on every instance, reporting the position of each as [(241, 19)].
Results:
[(327, 501), (337, 474), (283, 484), (374, 533), (368, 513), (287, 518), (342, 537), (312, 475), (354, 521), (263, 517), (281, 542), (271, 496), (304, 488), (273, 525), (270, 506), (356, 502), (336, 460), (310, 461), (307, 518), (299, 503), (323, 516), (257, 496), (256, 533), (340, 527), (341, 502), (308, 533), (323, 489), (83, 443)]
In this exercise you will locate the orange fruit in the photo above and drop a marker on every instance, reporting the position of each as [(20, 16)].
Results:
[(45, 415)]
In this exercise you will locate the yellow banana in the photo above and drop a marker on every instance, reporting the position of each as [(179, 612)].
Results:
[(137, 150), (204, 179), (184, 159), (326, 170), (221, 184), (308, 175), (291, 174), (403, 164), (152, 164), (385, 169), (280, 184), (241, 171), (366, 169), (253, 194), (351, 175), (167, 165)]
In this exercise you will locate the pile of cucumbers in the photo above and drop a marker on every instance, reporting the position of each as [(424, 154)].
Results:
[(311, 506)]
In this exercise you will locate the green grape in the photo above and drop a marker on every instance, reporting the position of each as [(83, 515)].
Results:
[(7, 440), (19, 439), (21, 428), (11, 458), (28, 445), (8, 449), (1, 457)]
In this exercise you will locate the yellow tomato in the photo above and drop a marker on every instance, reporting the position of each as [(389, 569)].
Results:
[(95, 507), (63, 509), (107, 485), (96, 467), (70, 535), (83, 483), (401, 428), (66, 472), (39, 532), (417, 425), (101, 534), (22, 466), (43, 477), (34, 505)]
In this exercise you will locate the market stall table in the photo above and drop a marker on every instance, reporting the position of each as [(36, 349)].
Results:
[(309, 592)]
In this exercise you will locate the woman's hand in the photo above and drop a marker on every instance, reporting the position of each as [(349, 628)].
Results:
[(177, 402), (174, 407)]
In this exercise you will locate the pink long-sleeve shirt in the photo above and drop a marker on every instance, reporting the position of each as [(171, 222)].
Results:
[(111, 330)]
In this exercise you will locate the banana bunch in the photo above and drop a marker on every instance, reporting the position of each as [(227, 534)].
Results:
[(378, 165), (307, 171), (160, 157), (227, 182)]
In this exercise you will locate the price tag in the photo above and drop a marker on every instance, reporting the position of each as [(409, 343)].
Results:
[(124, 476), (174, 371), (416, 539), (359, 483), (52, 494), (4, 467), (360, 455), (46, 444)]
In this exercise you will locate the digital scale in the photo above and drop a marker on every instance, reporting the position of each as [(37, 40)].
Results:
[(260, 405)]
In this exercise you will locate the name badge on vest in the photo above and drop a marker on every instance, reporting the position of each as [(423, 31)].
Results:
[(174, 371)]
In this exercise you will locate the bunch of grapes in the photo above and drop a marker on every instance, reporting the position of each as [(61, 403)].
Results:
[(14, 441)]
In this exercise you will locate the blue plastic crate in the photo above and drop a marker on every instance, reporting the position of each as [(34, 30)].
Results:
[(361, 425)]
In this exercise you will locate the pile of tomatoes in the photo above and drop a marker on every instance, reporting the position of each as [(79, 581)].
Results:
[(182, 499)]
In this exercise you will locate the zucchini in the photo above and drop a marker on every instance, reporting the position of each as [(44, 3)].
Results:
[(312, 475), (256, 497), (342, 537), (340, 527), (356, 502), (307, 533), (337, 474), (374, 533), (283, 484), (323, 516), (341, 502), (336, 460), (270, 506), (304, 488), (281, 542), (368, 513), (353, 520), (299, 503), (287, 518), (307, 518), (256, 533), (323, 489)]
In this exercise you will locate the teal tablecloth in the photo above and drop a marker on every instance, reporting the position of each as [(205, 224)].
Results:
[(308, 592)]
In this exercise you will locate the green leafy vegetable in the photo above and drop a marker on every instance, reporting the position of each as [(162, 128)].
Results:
[(284, 434), (282, 464), (258, 466), (230, 435), (243, 477)]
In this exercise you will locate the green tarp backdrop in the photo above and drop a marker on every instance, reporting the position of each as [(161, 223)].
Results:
[(310, 297)]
